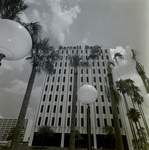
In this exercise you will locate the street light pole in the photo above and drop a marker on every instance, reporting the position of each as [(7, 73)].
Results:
[(88, 94), (89, 128)]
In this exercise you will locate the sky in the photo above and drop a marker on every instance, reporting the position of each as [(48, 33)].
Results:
[(117, 25)]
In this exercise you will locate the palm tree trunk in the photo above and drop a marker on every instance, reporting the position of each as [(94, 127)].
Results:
[(130, 122), (144, 119), (118, 137), (20, 122), (143, 76), (73, 114)]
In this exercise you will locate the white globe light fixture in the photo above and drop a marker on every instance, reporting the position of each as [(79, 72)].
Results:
[(87, 94), (15, 41)]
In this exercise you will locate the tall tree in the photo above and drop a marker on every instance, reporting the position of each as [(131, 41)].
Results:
[(45, 132), (75, 61), (113, 94), (42, 58), (140, 70), (124, 88)]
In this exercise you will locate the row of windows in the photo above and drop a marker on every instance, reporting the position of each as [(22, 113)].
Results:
[(69, 98), (82, 122), (82, 109)]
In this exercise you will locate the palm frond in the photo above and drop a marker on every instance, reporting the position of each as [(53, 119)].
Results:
[(34, 28), (117, 56), (134, 55), (11, 9)]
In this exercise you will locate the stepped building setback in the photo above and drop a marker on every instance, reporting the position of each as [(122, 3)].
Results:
[(54, 108)]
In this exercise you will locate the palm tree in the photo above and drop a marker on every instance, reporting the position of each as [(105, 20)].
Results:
[(78, 136), (45, 132), (109, 131), (124, 88), (42, 58), (12, 9), (140, 70), (113, 94), (75, 61), (134, 115)]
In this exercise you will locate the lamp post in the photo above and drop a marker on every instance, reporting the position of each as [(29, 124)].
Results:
[(15, 41), (87, 94)]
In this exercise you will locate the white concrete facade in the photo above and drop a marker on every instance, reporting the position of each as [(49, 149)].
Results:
[(54, 108)]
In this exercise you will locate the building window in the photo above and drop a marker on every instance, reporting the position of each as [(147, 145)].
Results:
[(59, 121), (69, 98), (50, 97), (99, 71), (46, 121), (54, 109), (46, 88), (93, 71), (60, 110), (70, 79), (104, 110), (82, 109), (68, 109), (53, 79), (51, 87), (68, 121), (93, 63), (98, 122), (82, 122), (54, 71), (60, 64), (87, 79), (98, 63), (57, 88), (97, 110), (81, 79), (59, 71), (86, 71), (94, 79), (110, 109), (63, 79), (70, 88), (71, 71), (52, 123), (48, 79), (81, 71), (101, 88), (55, 97), (120, 123), (48, 108), (99, 79), (58, 79), (39, 120), (63, 88), (105, 122), (41, 109), (103, 63), (44, 97), (55, 64), (102, 98), (61, 97), (64, 71), (104, 71), (65, 64)]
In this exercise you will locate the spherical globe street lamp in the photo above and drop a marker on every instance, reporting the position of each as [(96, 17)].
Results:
[(15, 41), (88, 94)]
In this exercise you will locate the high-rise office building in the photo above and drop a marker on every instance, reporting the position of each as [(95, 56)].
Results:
[(7, 125), (55, 105)]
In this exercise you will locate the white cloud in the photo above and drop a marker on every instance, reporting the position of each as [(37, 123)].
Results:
[(61, 19), (16, 87), (13, 65), (84, 41)]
